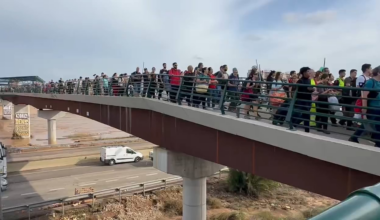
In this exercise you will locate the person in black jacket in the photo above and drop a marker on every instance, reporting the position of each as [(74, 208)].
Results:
[(303, 98)]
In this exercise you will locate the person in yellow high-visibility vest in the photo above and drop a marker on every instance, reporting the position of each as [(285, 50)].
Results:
[(338, 82), (313, 108)]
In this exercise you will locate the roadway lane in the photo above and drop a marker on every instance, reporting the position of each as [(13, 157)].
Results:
[(31, 187), (71, 152)]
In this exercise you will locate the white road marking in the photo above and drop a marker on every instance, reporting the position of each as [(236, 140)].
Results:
[(151, 174), (22, 174), (132, 177), (86, 184), (56, 189), (112, 180), (26, 194), (5, 197)]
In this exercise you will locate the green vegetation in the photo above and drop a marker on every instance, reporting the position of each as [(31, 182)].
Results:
[(242, 182)]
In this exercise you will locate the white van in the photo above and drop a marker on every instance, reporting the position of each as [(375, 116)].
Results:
[(119, 154)]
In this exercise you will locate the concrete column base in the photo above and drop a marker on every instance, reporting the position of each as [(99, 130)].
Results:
[(6, 110), (194, 199), (51, 117), (194, 171), (22, 121)]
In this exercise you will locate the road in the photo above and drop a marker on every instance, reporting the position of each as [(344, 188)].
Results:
[(53, 183), (71, 152)]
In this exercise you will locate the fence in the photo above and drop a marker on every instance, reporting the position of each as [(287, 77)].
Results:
[(135, 188), (348, 112)]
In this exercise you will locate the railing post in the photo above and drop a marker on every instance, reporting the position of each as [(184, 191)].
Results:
[(178, 96), (222, 99), (63, 208), (120, 196), (148, 89), (192, 93), (164, 181), (126, 89), (143, 186), (220, 174), (291, 109), (93, 200), (29, 212)]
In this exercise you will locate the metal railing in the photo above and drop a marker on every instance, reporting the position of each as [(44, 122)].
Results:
[(119, 191), (322, 108)]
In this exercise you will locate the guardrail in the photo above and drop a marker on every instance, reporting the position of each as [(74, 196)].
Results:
[(135, 188), (319, 107)]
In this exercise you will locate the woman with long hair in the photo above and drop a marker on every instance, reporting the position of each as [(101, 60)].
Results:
[(251, 91)]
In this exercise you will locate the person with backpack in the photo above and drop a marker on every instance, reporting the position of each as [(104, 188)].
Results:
[(373, 102), (360, 82)]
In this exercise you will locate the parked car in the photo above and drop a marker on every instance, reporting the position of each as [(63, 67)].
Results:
[(4, 184), (119, 154)]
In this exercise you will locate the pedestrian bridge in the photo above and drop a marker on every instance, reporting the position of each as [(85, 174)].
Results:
[(320, 164)]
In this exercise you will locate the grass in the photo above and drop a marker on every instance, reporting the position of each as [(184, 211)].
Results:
[(313, 212), (213, 203), (172, 207), (229, 216)]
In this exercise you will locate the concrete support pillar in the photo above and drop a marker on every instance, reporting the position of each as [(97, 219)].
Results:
[(22, 121), (51, 117), (194, 198), (6, 110), (194, 171), (52, 131)]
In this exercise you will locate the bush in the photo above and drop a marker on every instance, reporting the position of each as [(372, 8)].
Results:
[(172, 207), (229, 216), (312, 212), (213, 203), (242, 182)]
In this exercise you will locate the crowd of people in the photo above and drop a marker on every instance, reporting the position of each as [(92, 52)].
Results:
[(314, 92)]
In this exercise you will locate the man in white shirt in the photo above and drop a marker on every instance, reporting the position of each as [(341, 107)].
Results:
[(360, 81)]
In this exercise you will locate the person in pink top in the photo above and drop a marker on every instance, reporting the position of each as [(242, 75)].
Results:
[(175, 81)]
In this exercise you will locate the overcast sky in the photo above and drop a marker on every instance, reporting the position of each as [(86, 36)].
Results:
[(71, 38)]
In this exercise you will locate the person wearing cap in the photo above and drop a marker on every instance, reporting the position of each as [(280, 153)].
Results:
[(232, 86), (175, 81)]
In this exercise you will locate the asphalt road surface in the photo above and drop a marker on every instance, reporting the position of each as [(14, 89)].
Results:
[(70, 152), (59, 182)]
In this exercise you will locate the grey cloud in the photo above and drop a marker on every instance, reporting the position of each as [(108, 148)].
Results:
[(253, 37), (315, 18), (197, 57)]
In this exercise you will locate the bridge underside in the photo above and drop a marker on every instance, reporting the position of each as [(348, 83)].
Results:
[(237, 152)]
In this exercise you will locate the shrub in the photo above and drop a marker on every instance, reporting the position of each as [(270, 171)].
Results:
[(312, 212), (172, 207), (229, 216), (247, 183), (213, 203)]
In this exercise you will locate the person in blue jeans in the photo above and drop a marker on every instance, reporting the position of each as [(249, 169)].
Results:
[(303, 99), (373, 102)]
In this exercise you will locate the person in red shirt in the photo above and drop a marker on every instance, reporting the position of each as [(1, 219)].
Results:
[(175, 81), (212, 89)]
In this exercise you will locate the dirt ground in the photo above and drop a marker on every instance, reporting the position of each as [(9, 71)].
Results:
[(70, 128), (282, 203)]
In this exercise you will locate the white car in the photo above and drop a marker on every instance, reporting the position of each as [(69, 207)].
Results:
[(119, 154), (4, 184)]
